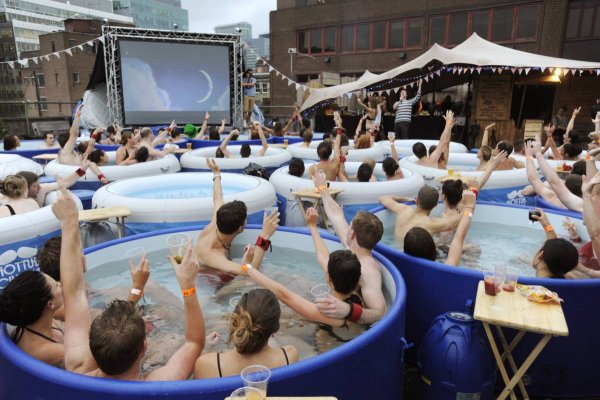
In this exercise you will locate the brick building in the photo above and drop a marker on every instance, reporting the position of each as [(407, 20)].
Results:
[(347, 37)]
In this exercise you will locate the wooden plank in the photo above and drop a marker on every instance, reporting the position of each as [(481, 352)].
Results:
[(47, 157), (512, 310), (98, 214), (312, 194), (182, 151), (279, 145)]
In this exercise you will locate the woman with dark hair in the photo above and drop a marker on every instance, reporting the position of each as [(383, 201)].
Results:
[(11, 142), (28, 302), (126, 152), (253, 321), (15, 189)]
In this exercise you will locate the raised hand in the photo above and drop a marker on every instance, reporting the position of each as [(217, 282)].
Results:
[(248, 254), (65, 208), (576, 111), (213, 338), (587, 184), (312, 217), (549, 129), (498, 158), (537, 145), (529, 152), (449, 117), (490, 126), (213, 166), (319, 179), (206, 116), (140, 275), (468, 199), (270, 223), (187, 271), (542, 218)]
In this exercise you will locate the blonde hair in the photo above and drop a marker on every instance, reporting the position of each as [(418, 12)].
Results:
[(363, 141), (14, 187)]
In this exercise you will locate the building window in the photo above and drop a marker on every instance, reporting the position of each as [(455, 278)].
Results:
[(300, 3), (43, 105), (56, 77), (457, 30), (527, 17), (76, 77), (396, 35), (317, 41), (437, 30), (479, 23), (363, 37), (53, 45), (265, 88), (348, 38), (379, 34), (303, 42), (40, 80), (72, 43), (414, 28), (502, 24), (583, 20), (329, 40)]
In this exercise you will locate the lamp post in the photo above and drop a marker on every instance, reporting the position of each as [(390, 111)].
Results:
[(292, 51)]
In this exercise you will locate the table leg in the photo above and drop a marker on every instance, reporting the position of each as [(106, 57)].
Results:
[(511, 361), (124, 233), (514, 342), (299, 200), (499, 362), (525, 366)]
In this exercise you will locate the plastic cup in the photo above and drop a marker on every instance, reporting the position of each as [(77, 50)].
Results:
[(391, 135), (320, 291), (188, 146), (177, 243), (510, 280), (450, 171), (135, 255), (256, 376), (247, 393), (285, 142), (491, 283), (271, 210), (234, 301)]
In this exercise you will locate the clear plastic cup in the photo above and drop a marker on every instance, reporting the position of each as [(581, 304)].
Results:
[(450, 171), (320, 291), (135, 255), (491, 283), (391, 135), (511, 279), (234, 301), (285, 142), (177, 243), (271, 210), (256, 376), (247, 393)]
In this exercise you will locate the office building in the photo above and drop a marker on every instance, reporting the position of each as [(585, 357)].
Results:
[(154, 14)]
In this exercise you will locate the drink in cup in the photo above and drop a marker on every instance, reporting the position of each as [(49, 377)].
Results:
[(188, 146), (135, 255), (490, 282), (320, 291), (510, 280), (247, 393), (177, 243), (256, 376)]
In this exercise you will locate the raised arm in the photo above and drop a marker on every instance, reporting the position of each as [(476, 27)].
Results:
[(66, 182), (263, 140), (223, 145), (532, 175), (444, 138), (221, 128), (490, 167), (203, 126), (320, 248), (334, 212), (571, 201), (336, 147), (391, 204), (456, 247), (551, 144), (393, 148), (486, 134), (415, 99), (591, 209), (78, 357), (571, 123), (360, 124), (305, 308), (73, 132), (543, 220), (217, 189), (590, 162), (181, 364)]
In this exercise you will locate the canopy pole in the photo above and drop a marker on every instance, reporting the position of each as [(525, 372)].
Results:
[(521, 108), (467, 115)]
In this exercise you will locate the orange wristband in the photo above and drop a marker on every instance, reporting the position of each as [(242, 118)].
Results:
[(320, 188), (188, 292), (467, 213), (588, 157), (246, 267), (548, 228)]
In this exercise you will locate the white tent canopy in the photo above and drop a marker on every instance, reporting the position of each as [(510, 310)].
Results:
[(473, 52)]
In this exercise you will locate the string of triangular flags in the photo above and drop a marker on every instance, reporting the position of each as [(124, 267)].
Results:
[(278, 73), (24, 62)]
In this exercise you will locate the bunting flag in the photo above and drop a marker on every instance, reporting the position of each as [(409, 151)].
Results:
[(68, 51), (396, 90), (47, 58), (513, 70), (290, 82), (597, 72), (426, 79), (11, 64), (478, 69), (551, 70), (493, 70), (57, 54), (80, 47), (520, 71), (439, 72), (24, 62), (298, 86), (35, 60), (544, 69), (527, 71), (271, 68)]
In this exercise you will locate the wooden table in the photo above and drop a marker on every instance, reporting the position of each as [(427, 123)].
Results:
[(312, 196), (512, 310), (279, 145), (102, 214), (46, 157), (182, 151)]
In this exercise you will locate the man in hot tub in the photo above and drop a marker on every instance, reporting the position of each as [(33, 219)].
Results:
[(228, 221)]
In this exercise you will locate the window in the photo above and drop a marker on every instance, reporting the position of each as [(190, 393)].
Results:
[(437, 30), (348, 38), (396, 35), (527, 22), (363, 37), (379, 30), (42, 104), (414, 27), (265, 88), (329, 40), (303, 42), (53, 45), (316, 41), (72, 43), (40, 80), (502, 24), (76, 77), (56, 77), (457, 31), (479, 23)]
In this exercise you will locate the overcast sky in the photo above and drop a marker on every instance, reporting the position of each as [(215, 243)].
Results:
[(206, 14)]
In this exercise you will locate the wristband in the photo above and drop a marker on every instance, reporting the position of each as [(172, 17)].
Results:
[(339, 131), (168, 130), (467, 213), (263, 243), (80, 172), (356, 312), (246, 267), (137, 292), (529, 157), (320, 188), (576, 239), (342, 159), (188, 292), (216, 176), (94, 136), (101, 176), (588, 157), (548, 228), (474, 190)]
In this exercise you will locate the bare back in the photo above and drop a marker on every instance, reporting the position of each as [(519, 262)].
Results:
[(66, 157), (330, 168)]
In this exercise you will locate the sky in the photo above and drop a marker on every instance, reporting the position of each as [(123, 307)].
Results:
[(204, 15)]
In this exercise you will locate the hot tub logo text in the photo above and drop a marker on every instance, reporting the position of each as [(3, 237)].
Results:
[(516, 197), (12, 263)]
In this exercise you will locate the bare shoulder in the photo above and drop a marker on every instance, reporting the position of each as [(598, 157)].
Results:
[(206, 366), (292, 353), (370, 266)]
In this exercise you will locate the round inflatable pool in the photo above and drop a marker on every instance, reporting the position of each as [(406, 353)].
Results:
[(196, 160), (565, 367), (182, 199), (11, 164), (325, 374), (30, 148), (295, 138), (20, 237), (404, 147), (310, 153), (166, 165), (114, 147), (355, 195), (502, 187)]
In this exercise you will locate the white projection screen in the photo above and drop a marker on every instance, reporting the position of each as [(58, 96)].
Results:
[(165, 81)]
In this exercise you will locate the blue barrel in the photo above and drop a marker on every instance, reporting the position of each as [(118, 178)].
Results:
[(455, 360)]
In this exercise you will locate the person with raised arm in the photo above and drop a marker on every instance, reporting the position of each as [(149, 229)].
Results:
[(148, 141), (420, 150), (564, 194), (538, 186), (114, 344), (360, 236), (331, 168), (390, 164), (228, 221), (403, 108), (591, 212), (67, 142)]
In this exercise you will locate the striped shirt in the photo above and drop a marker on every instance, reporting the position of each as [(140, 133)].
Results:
[(404, 108)]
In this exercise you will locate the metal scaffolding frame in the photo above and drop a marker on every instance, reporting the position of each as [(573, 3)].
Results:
[(114, 87)]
